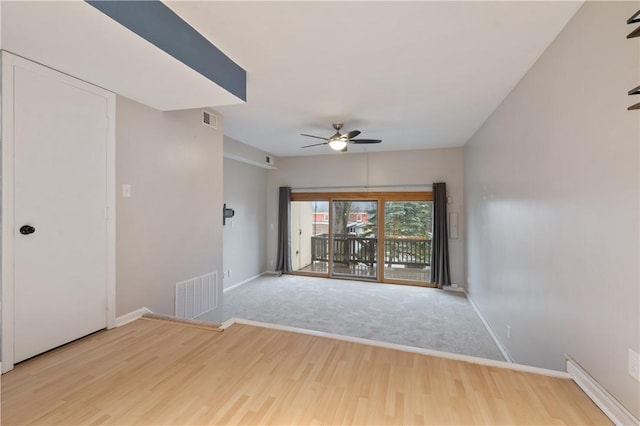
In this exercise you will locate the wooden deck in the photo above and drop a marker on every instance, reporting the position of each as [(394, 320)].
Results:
[(364, 271), (156, 372)]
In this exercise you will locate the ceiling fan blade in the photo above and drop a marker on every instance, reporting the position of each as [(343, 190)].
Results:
[(352, 134), (315, 144), (366, 140), (311, 136)]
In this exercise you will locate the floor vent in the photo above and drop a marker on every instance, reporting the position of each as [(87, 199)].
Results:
[(196, 296), (209, 119)]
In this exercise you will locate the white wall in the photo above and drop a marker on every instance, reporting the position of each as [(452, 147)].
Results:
[(171, 228), (551, 195), (244, 235), (375, 171)]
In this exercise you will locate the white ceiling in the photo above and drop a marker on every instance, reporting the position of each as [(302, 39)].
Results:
[(415, 74), (77, 39)]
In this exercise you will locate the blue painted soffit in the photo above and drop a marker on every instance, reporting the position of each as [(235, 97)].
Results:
[(160, 26)]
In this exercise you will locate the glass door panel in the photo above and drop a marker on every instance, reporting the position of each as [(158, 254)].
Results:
[(354, 238), (407, 240), (310, 236)]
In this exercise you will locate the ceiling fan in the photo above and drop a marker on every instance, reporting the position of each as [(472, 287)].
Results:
[(339, 142)]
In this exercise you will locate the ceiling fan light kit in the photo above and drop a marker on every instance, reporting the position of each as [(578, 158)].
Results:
[(339, 142)]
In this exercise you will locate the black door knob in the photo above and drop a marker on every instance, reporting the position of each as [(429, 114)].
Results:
[(27, 229)]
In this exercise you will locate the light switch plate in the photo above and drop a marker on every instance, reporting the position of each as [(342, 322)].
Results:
[(126, 190), (634, 366), (453, 225)]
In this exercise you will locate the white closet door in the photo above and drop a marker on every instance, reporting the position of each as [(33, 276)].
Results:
[(60, 191)]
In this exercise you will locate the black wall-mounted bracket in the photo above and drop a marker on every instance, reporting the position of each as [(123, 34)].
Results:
[(635, 18), (227, 214)]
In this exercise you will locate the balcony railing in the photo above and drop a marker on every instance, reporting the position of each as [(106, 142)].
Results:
[(350, 249)]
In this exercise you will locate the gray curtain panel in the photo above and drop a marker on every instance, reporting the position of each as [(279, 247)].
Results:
[(284, 224), (440, 241)]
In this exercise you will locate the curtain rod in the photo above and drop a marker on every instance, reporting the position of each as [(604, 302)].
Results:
[(363, 187)]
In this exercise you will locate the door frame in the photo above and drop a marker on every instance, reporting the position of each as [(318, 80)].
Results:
[(9, 62), (380, 198)]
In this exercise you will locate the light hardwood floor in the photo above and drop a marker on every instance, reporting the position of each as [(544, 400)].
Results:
[(156, 372)]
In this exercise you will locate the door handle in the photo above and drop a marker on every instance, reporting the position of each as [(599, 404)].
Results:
[(27, 229)]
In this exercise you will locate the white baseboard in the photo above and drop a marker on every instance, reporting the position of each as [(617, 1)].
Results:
[(244, 282), (228, 323), (493, 335), (131, 316), (603, 399), (411, 349)]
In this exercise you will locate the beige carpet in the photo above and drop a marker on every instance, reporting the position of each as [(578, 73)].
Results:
[(414, 316)]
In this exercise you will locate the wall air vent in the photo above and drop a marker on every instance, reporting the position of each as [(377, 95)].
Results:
[(209, 119), (267, 159)]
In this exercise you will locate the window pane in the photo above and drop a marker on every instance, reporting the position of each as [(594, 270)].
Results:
[(407, 227), (310, 236), (355, 239)]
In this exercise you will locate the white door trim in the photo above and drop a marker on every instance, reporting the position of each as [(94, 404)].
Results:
[(9, 61)]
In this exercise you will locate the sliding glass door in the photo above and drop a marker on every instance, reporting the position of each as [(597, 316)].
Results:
[(377, 236), (354, 238)]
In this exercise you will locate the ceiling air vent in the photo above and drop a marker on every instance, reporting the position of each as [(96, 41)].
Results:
[(209, 119)]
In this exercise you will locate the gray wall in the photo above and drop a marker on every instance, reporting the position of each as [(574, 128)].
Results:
[(248, 154), (551, 195), (244, 235), (398, 168), (171, 228)]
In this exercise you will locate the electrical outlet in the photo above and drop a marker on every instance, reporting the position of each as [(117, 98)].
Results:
[(634, 366), (509, 332)]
